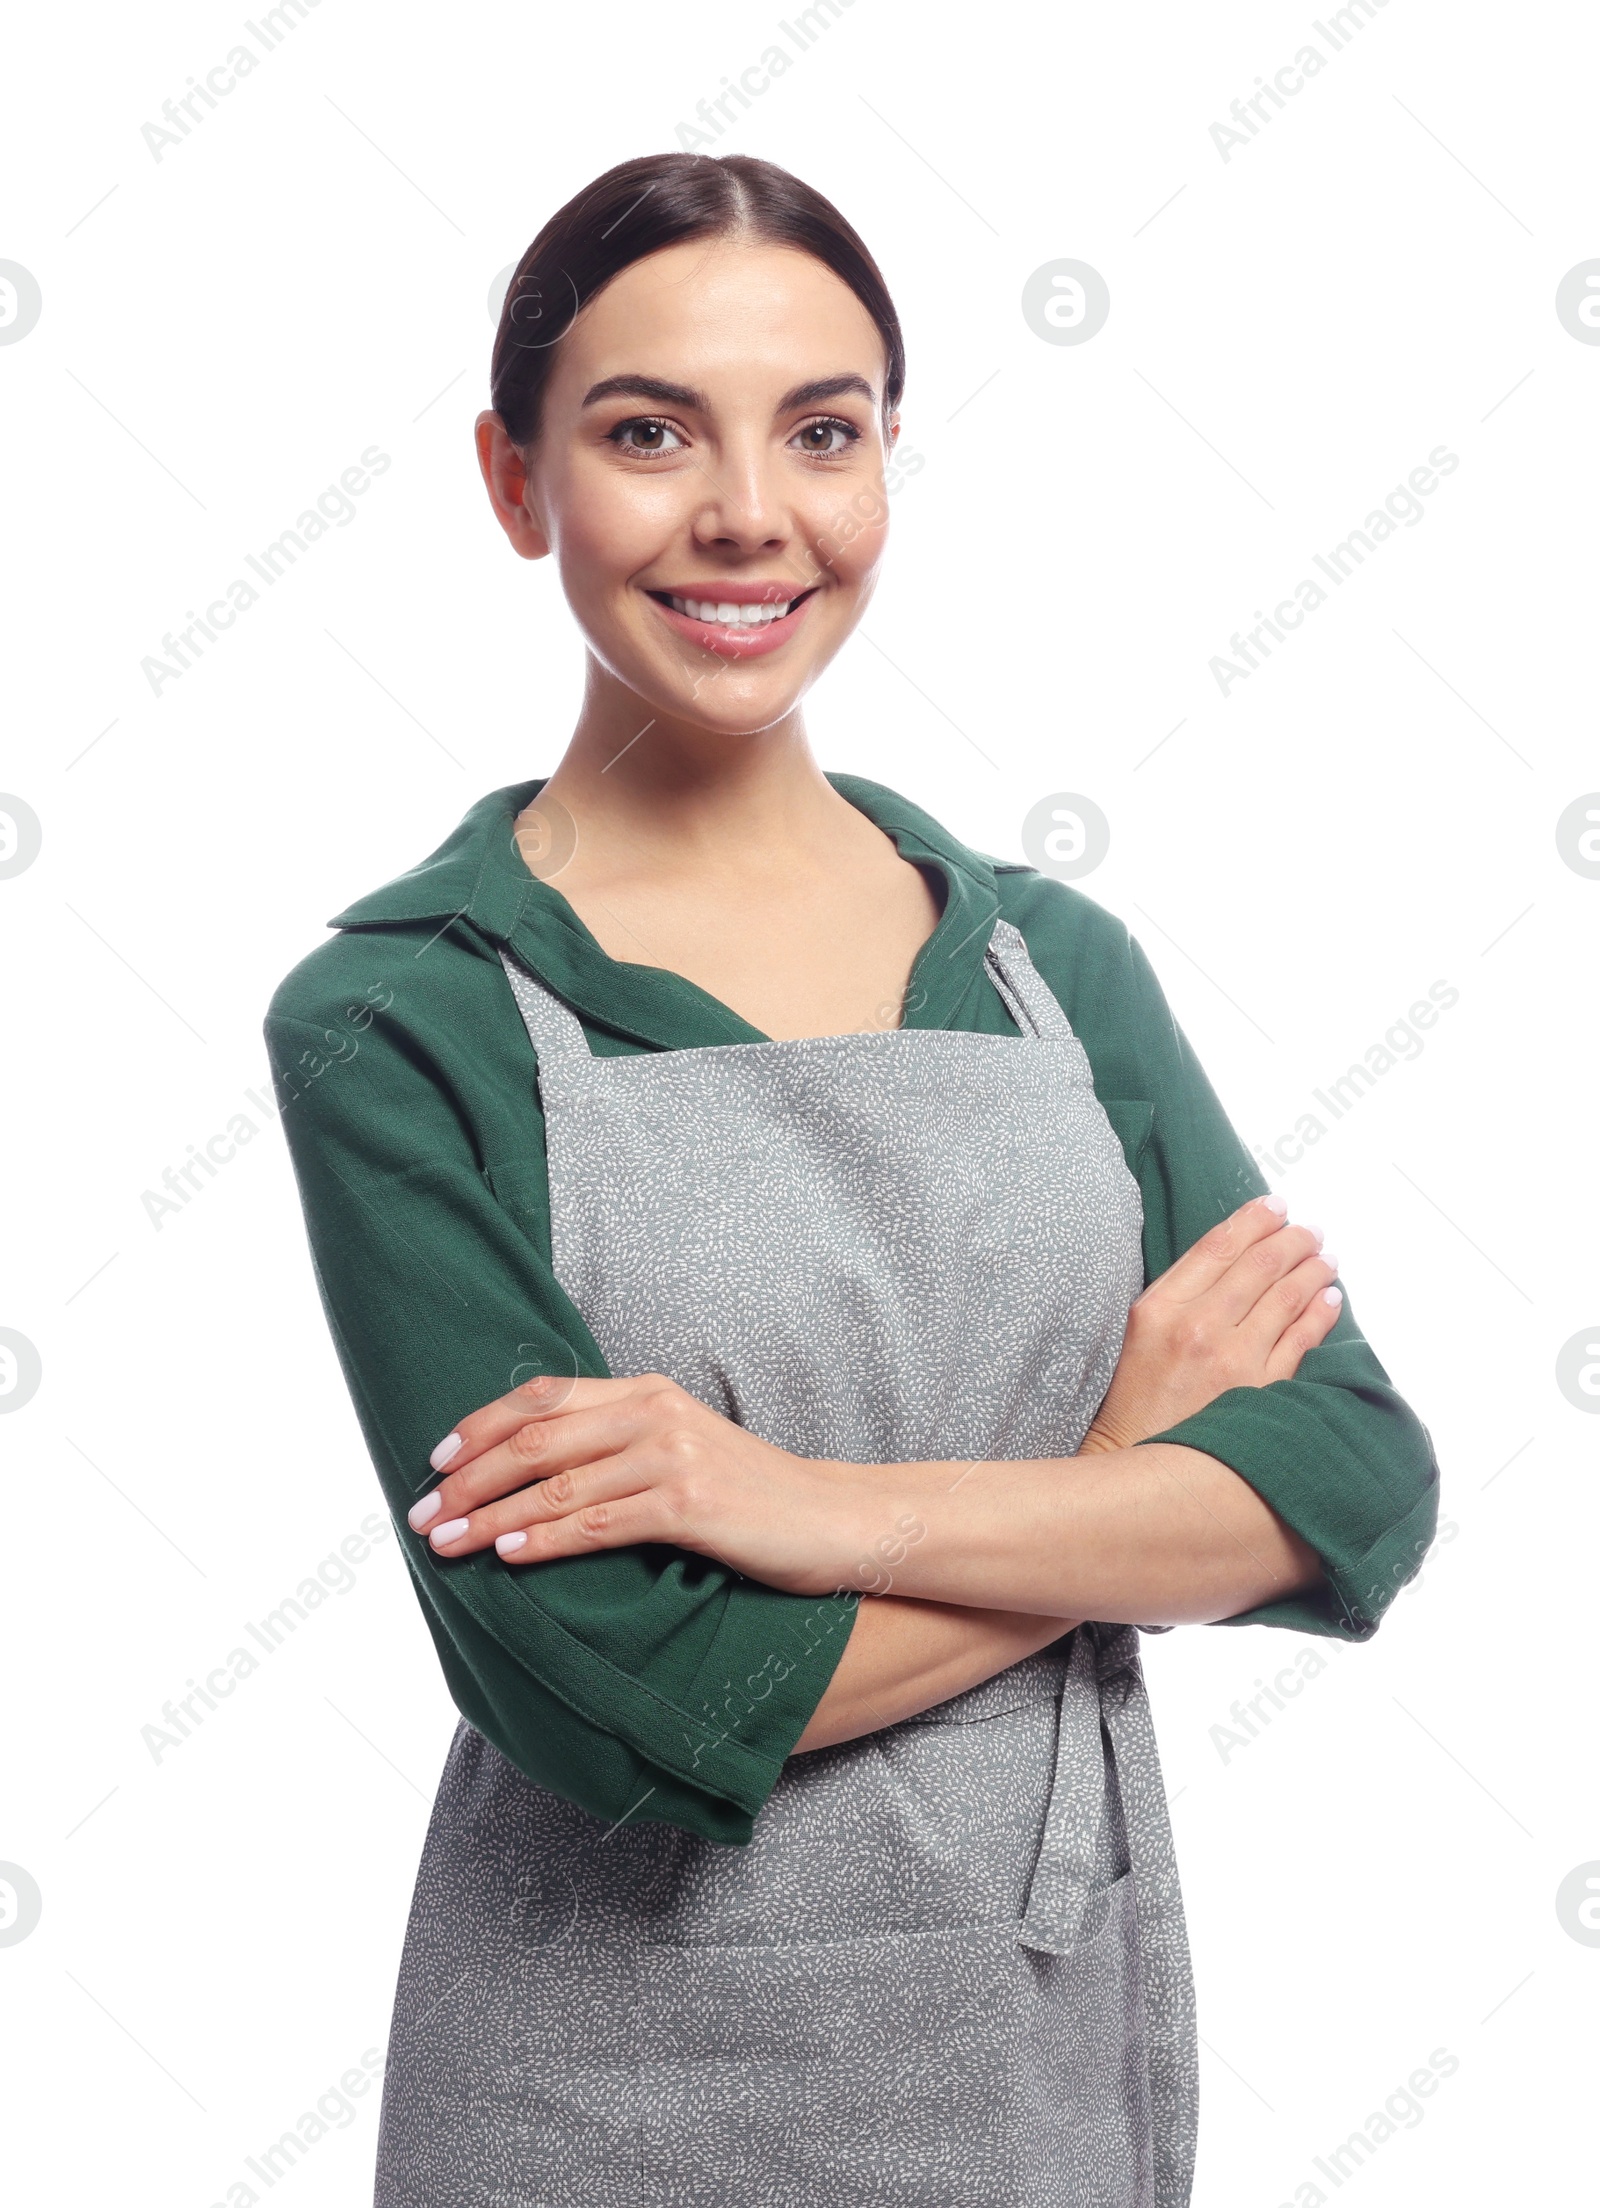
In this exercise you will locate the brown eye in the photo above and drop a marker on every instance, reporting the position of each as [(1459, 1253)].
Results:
[(826, 438), (645, 437)]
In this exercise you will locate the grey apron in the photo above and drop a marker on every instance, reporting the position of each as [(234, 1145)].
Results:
[(951, 1969)]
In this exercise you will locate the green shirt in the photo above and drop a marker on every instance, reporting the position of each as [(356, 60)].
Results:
[(645, 1681)]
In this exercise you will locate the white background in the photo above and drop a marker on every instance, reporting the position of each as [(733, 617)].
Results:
[(1292, 331)]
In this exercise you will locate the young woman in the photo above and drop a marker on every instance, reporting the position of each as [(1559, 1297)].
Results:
[(733, 1197)]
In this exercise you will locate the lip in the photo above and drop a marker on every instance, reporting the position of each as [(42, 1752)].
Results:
[(740, 643)]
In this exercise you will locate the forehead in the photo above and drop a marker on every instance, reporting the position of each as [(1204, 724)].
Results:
[(720, 311)]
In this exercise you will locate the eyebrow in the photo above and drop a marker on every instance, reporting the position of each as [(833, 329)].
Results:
[(657, 393)]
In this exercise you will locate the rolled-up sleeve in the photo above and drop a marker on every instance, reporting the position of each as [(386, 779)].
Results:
[(1336, 1451), (638, 1682)]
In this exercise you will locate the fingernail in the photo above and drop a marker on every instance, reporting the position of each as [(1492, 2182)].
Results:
[(451, 1530), (419, 1513), (1310, 1229), (1333, 1295), (1275, 1204), (509, 1543), (449, 1447), (1328, 1258)]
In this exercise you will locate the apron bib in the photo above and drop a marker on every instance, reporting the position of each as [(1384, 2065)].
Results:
[(951, 1968)]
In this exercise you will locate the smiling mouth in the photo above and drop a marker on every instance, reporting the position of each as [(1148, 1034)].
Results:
[(727, 614)]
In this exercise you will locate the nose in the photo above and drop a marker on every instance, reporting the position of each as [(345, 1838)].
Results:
[(743, 509)]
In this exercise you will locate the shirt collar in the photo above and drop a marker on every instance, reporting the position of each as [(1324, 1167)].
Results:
[(478, 876)]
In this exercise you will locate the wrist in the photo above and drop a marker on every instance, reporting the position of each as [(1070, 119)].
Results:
[(871, 1521), (979, 1534), (880, 1513), (1116, 1430)]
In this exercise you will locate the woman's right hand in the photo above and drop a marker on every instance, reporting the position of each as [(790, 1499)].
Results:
[(1238, 1310)]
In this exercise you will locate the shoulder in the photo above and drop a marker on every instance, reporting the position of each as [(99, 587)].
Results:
[(427, 935), (422, 967), (440, 1060), (1063, 928), (1031, 899), (1099, 974)]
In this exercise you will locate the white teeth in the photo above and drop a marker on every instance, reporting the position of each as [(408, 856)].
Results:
[(727, 615)]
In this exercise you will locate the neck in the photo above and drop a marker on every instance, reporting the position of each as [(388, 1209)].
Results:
[(671, 792)]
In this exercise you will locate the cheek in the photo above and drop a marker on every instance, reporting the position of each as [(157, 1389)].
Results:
[(608, 519), (606, 528), (849, 533)]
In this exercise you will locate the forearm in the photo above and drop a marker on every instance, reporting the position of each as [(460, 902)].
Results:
[(904, 1657), (1153, 1535)]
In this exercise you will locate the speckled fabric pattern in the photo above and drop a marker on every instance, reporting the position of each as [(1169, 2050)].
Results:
[(882, 1247), (950, 1970)]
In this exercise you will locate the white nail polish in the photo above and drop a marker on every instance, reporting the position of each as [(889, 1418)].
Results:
[(419, 1513), (1275, 1204), (509, 1543), (1328, 1258), (448, 1448), (451, 1530), (1334, 1296), (1310, 1229)]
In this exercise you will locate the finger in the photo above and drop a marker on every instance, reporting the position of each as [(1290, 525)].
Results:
[(545, 1396), (1281, 1331), (1205, 1261), (1257, 1271), (533, 1451), (631, 1520), (570, 1494)]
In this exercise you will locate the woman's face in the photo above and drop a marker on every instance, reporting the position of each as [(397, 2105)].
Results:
[(709, 474)]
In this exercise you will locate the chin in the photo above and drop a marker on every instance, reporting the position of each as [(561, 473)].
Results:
[(735, 709), (727, 698)]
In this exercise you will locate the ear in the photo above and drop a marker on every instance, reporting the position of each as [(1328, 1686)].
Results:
[(894, 431), (506, 479)]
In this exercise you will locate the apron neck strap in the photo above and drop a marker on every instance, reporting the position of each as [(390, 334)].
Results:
[(1022, 988), (554, 1028)]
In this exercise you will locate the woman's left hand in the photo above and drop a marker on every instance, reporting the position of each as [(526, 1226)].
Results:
[(616, 1462)]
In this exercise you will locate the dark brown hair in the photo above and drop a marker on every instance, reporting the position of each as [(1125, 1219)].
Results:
[(638, 208)]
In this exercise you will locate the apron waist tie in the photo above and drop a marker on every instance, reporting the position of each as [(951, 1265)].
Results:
[(1065, 1876), (1069, 1899)]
